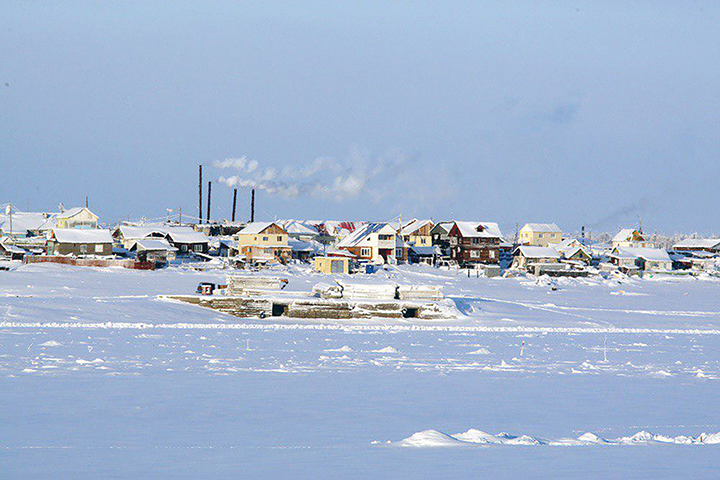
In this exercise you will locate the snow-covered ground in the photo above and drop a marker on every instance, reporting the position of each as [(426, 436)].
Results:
[(611, 377)]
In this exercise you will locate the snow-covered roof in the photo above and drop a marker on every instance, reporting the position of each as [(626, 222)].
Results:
[(22, 222), (435, 250), (78, 235), (542, 227), (74, 211), (301, 246), (479, 229), (414, 225), (153, 244), (698, 243), (445, 226), (361, 233), (569, 252), (255, 228), (648, 254), (529, 251), (11, 248), (624, 235), (293, 227), (566, 243), (132, 232), (185, 235)]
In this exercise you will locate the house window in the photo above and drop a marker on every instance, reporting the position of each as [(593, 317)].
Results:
[(474, 253), (279, 238), (198, 247), (541, 235), (98, 248), (399, 252), (365, 252), (385, 237), (83, 248), (265, 239), (475, 241), (423, 241), (453, 241), (491, 253)]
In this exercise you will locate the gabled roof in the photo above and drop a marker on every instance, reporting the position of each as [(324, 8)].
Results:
[(255, 228), (293, 227), (649, 254), (74, 211), (157, 244), (361, 233), (713, 243), (529, 251), (625, 234), (571, 251), (444, 226), (301, 246), (479, 229), (414, 226), (132, 232), (22, 222), (78, 235), (185, 235), (542, 227)]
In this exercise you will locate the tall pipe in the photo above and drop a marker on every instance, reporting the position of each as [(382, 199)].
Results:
[(234, 204), (200, 196), (208, 205), (252, 206)]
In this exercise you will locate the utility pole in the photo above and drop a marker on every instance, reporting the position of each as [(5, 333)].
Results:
[(200, 196), (208, 205), (252, 206), (234, 204), (87, 202), (180, 216)]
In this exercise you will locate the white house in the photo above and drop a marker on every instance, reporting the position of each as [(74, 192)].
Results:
[(630, 237), (630, 259), (374, 242)]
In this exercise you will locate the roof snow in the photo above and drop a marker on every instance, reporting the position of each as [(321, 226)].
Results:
[(361, 233), (698, 243), (254, 228), (624, 235), (542, 227), (479, 229), (185, 235), (73, 211), (413, 226), (293, 227), (649, 254), (22, 222), (529, 251), (157, 244), (77, 235)]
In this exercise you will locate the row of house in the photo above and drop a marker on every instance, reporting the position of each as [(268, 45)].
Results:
[(538, 247)]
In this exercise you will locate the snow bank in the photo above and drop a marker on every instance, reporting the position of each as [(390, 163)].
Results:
[(434, 438)]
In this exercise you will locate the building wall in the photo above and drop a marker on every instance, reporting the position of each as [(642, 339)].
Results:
[(539, 239), (474, 249), (77, 248), (273, 235), (325, 265), (83, 219)]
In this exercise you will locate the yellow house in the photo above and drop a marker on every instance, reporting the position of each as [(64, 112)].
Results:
[(332, 265), (79, 217), (264, 241), (540, 234)]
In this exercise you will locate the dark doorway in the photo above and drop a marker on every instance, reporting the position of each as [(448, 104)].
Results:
[(409, 312), (279, 310)]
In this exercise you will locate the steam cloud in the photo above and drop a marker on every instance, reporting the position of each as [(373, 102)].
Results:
[(325, 177)]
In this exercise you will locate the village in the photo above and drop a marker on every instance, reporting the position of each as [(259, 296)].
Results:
[(77, 236)]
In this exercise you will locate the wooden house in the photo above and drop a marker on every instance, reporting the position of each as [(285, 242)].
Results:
[(537, 260), (440, 234), (710, 245), (156, 250), (572, 250), (185, 239), (475, 242), (631, 259), (373, 242), (10, 251), (263, 242), (79, 242)]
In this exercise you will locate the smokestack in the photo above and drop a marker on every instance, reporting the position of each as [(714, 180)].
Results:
[(87, 202), (582, 235), (200, 196), (208, 205), (252, 206), (234, 204)]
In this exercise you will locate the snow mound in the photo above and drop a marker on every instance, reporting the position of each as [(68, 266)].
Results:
[(434, 438), (430, 439), (480, 351), (385, 350), (344, 348), (51, 343)]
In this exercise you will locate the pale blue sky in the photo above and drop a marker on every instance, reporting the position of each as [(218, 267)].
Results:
[(572, 112)]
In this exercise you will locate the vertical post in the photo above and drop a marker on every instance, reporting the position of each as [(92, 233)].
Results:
[(252, 206), (234, 204), (87, 202), (180, 216), (200, 197), (208, 204)]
